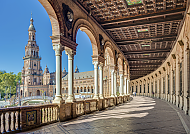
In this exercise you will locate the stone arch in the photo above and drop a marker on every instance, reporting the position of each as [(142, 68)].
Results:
[(86, 27), (108, 50), (120, 64), (53, 10)]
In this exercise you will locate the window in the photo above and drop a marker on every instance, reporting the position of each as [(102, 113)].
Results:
[(34, 79), (163, 85), (174, 82), (180, 71)]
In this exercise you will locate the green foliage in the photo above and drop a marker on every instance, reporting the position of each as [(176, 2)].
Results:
[(8, 81)]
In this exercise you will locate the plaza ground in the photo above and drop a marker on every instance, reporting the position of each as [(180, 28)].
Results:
[(143, 115)]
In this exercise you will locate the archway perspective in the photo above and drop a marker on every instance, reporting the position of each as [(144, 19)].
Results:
[(140, 49)]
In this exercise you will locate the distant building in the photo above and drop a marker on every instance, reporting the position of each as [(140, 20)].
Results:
[(35, 82)]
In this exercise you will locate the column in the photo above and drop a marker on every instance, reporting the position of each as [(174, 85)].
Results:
[(101, 80), (112, 83), (125, 85), (95, 80), (121, 85), (128, 87), (58, 54), (186, 80), (115, 83), (70, 54), (177, 81)]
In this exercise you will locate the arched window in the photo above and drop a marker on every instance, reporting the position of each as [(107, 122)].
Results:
[(33, 37)]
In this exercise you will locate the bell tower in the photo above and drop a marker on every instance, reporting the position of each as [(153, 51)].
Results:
[(32, 71)]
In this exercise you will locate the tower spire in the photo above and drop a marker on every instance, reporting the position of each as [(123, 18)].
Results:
[(31, 27)]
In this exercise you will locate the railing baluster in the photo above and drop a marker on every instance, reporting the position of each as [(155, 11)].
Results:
[(9, 121), (44, 115), (50, 114), (4, 130), (14, 120), (18, 128), (47, 114)]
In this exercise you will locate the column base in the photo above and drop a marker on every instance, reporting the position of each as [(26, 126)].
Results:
[(96, 97), (70, 99), (121, 94), (58, 101), (101, 96), (112, 95)]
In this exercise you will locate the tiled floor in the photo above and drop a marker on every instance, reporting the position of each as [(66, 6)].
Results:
[(142, 115)]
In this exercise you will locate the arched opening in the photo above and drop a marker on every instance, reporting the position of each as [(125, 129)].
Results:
[(38, 92), (109, 64)]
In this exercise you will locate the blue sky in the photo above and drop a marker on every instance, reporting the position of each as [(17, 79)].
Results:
[(15, 20)]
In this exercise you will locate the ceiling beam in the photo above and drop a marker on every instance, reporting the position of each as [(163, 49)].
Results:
[(147, 51), (139, 64), (146, 18), (152, 39), (146, 58), (150, 23)]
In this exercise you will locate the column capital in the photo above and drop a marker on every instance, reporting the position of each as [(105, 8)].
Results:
[(95, 63), (70, 53), (101, 65), (58, 49)]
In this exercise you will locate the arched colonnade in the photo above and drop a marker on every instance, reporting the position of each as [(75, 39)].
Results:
[(171, 81), (66, 18)]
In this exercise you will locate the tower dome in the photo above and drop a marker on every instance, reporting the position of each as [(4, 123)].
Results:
[(31, 27)]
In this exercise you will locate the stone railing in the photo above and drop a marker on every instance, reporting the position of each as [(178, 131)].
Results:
[(23, 118), (37, 97)]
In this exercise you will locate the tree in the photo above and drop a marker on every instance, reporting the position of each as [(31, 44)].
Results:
[(8, 81)]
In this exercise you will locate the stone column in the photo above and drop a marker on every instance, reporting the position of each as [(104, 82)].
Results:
[(125, 85), (177, 81), (186, 80), (166, 86), (95, 80), (121, 85), (58, 54), (70, 54), (128, 87), (112, 83), (101, 80), (115, 83), (171, 85)]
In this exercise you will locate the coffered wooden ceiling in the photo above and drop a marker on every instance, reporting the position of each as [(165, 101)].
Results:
[(144, 30)]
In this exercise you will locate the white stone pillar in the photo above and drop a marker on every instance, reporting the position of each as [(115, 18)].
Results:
[(177, 81), (70, 54), (186, 80), (58, 54), (115, 83), (112, 83), (95, 80), (125, 85), (121, 85), (128, 87), (101, 80)]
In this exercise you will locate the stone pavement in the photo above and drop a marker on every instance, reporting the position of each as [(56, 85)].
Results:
[(143, 115)]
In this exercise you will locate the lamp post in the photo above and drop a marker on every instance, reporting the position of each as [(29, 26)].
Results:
[(19, 95), (53, 90), (10, 92), (5, 92), (23, 90)]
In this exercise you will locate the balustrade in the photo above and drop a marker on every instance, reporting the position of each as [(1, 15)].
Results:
[(16, 119)]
